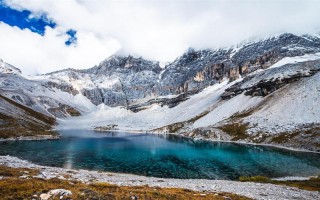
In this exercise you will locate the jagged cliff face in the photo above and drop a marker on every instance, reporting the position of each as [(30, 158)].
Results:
[(263, 84), (265, 53), (198, 69), (123, 80)]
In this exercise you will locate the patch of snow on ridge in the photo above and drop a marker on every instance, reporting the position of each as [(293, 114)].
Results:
[(296, 59), (235, 50)]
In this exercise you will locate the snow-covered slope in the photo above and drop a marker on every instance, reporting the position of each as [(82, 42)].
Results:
[(290, 108), (40, 96)]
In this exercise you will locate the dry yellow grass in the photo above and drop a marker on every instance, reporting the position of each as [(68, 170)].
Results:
[(14, 188)]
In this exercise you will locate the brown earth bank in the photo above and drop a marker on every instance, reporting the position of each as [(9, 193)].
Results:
[(20, 122)]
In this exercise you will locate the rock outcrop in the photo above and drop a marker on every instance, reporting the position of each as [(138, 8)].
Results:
[(267, 83)]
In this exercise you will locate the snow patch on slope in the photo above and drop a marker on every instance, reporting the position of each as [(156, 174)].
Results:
[(296, 59), (32, 93)]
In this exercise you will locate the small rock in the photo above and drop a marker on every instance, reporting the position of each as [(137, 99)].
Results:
[(61, 192), (23, 176), (134, 197), (45, 196)]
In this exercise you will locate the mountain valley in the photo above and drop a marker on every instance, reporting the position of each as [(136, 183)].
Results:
[(263, 92)]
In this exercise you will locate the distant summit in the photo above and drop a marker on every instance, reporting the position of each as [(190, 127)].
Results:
[(8, 69)]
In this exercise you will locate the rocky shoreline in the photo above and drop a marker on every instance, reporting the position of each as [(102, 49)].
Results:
[(102, 129), (251, 143), (207, 139), (37, 137), (248, 189)]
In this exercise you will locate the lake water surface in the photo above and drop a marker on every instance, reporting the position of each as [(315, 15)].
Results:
[(166, 156)]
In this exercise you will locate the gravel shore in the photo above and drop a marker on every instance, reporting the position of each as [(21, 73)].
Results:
[(252, 190), (36, 137)]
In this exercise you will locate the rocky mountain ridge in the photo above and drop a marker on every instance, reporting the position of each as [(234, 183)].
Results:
[(126, 81)]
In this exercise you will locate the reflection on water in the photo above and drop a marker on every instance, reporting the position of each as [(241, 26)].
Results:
[(162, 156)]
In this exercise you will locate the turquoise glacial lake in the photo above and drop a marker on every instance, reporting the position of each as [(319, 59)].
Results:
[(165, 156)]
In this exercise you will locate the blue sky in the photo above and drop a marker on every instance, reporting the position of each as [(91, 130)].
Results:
[(24, 19), (40, 36)]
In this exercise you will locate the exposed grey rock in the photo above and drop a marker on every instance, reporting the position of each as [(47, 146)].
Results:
[(61, 86), (60, 192), (106, 128), (45, 196), (268, 81)]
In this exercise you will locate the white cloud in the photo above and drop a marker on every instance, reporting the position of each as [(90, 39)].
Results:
[(159, 30), (34, 53)]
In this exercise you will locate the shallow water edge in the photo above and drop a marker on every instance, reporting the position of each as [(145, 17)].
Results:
[(205, 139)]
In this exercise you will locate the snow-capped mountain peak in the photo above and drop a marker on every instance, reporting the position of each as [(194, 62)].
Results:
[(8, 69)]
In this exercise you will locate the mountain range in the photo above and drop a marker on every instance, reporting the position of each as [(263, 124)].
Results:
[(264, 92)]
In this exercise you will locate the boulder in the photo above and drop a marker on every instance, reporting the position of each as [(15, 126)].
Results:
[(60, 192)]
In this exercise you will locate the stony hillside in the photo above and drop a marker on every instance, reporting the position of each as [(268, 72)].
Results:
[(19, 121)]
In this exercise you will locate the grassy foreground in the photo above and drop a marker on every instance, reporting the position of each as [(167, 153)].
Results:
[(13, 186)]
